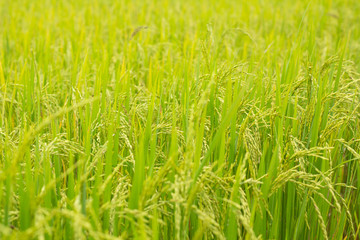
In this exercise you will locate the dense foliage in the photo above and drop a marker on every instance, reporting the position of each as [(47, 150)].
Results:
[(180, 119)]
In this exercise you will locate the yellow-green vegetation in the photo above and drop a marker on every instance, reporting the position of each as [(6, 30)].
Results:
[(171, 119)]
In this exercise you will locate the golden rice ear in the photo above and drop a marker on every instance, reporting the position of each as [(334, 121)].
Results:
[(137, 30)]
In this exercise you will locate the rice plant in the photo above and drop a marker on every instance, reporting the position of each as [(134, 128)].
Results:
[(170, 119)]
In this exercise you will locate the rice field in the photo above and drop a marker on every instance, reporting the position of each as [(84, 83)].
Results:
[(171, 119)]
